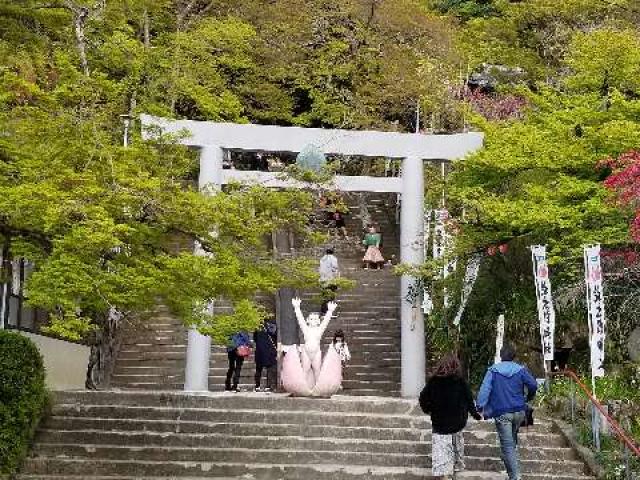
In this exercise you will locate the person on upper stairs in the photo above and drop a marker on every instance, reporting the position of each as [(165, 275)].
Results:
[(329, 269), (329, 272), (505, 391), (339, 224), (448, 399), (372, 257)]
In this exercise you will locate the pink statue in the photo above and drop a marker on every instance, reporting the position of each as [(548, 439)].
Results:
[(304, 373)]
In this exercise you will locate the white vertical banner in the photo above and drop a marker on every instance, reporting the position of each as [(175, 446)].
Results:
[(427, 302), (442, 244), (470, 277), (546, 312), (595, 308), (499, 337)]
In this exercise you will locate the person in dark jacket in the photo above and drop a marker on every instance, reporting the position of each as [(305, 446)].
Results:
[(266, 339), (502, 397), (237, 349), (448, 399)]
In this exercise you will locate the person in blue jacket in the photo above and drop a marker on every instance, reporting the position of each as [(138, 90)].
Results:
[(238, 349), (503, 396)]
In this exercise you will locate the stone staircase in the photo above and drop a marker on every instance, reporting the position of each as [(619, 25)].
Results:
[(369, 314), (152, 356), (152, 353), (161, 435)]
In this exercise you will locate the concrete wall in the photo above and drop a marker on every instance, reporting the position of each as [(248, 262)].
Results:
[(65, 362)]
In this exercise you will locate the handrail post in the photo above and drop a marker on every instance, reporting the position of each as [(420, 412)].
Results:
[(573, 405), (627, 467), (627, 454), (595, 417), (595, 427)]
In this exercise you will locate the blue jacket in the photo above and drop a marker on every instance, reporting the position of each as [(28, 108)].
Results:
[(238, 339), (503, 389)]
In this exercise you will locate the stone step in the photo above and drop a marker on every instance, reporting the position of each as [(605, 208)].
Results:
[(555, 450), (222, 428), (280, 456), (266, 416), (259, 471), (233, 455), (384, 334), (178, 361), (218, 370), (291, 471), (336, 404), (238, 416), (179, 351)]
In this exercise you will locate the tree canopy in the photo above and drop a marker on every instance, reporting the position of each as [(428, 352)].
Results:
[(554, 85)]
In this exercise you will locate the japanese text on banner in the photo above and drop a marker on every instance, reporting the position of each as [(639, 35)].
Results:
[(546, 312), (595, 306)]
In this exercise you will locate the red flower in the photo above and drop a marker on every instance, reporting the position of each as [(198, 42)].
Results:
[(624, 182)]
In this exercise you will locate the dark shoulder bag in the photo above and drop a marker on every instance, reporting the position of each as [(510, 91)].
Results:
[(528, 416)]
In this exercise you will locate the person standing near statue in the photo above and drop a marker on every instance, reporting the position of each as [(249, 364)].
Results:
[(502, 397), (266, 339), (238, 348)]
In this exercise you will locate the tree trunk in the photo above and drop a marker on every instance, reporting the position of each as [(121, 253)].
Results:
[(79, 21), (146, 28)]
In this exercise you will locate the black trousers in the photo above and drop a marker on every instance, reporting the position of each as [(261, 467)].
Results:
[(235, 366), (272, 376)]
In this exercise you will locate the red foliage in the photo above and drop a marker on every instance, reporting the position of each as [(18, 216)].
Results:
[(495, 107), (624, 181), (627, 256)]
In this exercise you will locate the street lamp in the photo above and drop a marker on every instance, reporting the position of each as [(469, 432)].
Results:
[(126, 120)]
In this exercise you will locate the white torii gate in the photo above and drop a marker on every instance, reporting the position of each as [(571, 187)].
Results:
[(214, 138)]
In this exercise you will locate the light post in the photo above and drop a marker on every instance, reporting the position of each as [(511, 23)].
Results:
[(126, 121)]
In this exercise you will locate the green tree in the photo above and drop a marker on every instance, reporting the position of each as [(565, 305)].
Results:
[(603, 60), (102, 222)]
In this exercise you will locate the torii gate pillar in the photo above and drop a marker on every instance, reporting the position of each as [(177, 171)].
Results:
[(413, 353), (196, 372)]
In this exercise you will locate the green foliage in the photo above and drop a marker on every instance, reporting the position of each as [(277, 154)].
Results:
[(538, 178), (467, 9), (22, 397), (535, 35), (109, 226), (605, 59)]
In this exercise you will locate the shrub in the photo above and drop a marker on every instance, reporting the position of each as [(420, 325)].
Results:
[(22, 397)]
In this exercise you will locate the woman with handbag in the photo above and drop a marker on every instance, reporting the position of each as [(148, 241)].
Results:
[(448, 399), (238, 349)]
